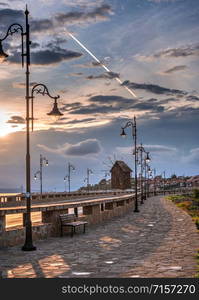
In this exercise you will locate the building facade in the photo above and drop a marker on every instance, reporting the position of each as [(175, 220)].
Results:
[(120, 176)]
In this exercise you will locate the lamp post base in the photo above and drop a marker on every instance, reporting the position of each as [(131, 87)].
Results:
[(136, 207), (28, 248)]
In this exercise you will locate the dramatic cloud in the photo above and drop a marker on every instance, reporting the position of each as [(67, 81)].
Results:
[(183, 51), (105, 104), (83, 3), (92, 64), (175, 69), (91, 146), (71, 106), (16, 120), (3, 4), (153, 88), (41, 25), (97, 14), (107, 75), (192, 98), (87, 147), (155, 150), (159, 148), (95, 109), (47, 57), (179, 52), (111, 99), (154, 107), (7, 16), (81, 121)]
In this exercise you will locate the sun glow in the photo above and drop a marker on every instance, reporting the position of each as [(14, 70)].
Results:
[(6, 128)]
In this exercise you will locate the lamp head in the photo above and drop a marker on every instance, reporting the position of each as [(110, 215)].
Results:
[(148, 158), (55, 112), (3, 55), (123, 133), (46, 162)]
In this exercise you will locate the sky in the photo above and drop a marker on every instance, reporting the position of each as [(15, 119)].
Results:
[(150, 47)]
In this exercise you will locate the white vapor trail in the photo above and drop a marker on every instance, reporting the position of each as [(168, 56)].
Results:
[(97, 60)]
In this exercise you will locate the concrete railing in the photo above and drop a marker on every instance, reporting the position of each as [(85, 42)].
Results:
[(19, 199), (93, 210)]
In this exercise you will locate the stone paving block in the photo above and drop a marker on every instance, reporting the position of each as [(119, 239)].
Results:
[(160, 241)]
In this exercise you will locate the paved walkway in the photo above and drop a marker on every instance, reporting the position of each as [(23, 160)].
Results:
[(160, 241)]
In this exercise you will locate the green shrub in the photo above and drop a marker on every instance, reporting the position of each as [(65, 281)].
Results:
[(177, 198), (196, 193), (197, 225)]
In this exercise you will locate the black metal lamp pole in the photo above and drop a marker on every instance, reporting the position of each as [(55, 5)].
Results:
[(141, 150), (40, 172), (164, 178), (70, 167), (135, 152), (42, 160), (154, 181), (89, 171), (15, 28), (43, 90), (145, 179), (147, 168)]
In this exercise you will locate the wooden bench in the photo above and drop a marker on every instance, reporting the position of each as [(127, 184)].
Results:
[(69, 220)]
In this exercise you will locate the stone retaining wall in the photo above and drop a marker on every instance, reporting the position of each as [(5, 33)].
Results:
[(94, 212)]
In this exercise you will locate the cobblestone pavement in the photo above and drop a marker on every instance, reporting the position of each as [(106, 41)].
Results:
[(159, 241)]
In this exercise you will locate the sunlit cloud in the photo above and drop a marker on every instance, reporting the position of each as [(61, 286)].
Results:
[(87, 147)]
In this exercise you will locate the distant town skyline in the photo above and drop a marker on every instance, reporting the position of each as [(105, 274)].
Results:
[(150, 45)]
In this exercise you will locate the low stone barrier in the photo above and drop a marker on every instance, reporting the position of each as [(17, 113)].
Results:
[(94, 211), (20, 200)]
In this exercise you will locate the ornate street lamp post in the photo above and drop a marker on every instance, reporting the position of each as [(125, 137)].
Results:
[(70, 167), (146, 166), (141, 150), (88, 172), (15, 28), (134, 135), (65, 178), (154, 181), (149, 172), (43, 161)]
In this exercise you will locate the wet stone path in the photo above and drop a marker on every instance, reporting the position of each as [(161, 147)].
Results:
[(159, 241)]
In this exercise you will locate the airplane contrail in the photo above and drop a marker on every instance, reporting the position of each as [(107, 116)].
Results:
[(98, 61)]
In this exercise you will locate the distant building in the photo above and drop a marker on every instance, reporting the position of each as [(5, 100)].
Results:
[(193, 181), (120, 176)]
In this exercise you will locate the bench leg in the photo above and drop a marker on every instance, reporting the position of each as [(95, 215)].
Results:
[(61, 231), (84, 228)]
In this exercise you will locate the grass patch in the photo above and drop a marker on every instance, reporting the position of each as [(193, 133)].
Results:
[(190, 204), (178, 198)]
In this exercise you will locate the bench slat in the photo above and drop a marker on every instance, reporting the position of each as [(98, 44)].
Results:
[(70, 220)]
